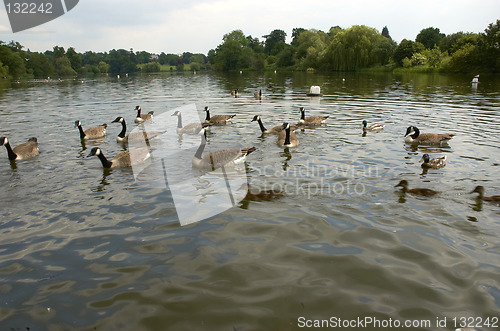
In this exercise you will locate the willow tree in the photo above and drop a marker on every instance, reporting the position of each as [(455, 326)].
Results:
[(309, 46), (352, 49)]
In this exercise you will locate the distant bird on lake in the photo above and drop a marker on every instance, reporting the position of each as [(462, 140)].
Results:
[(235, 93), (142, 117), (413, 136), (435, 163), (258, 95), (480, 189), (417, 191), (21, 152), (475, 80), (310, 120), (92, 133)]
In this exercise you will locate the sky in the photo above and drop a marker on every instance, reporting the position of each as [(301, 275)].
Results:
[(197, 26)]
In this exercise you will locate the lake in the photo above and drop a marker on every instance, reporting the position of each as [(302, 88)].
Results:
[(84, 248)]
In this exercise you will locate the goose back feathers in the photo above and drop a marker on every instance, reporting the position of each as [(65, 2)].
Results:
[(123, 159), (287, 138), (310, 120), (413, 136), (23, 151), (92, 133), (217, 119), (142, 117), (435, 163)]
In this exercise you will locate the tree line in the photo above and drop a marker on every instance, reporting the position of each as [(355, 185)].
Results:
[(355, 48), (360, 47)]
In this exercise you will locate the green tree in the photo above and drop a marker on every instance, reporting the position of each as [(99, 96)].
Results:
[(103, 67), (383, 50), (274, 42), (39, 65), (308, 48), (4, 71), (430, 37), (74, 59), (121, 62), (62, 67), (352, 48), (151, 67), (406, 49), (385, 33), (492, 47), (13, 61)]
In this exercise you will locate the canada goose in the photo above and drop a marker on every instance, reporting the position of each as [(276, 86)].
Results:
[(418, 191), (147, 135), (413, 136), (480, 189), (310, 120), (21, 152), (92, 133), (435, 163), (475, 80), (217, 119), (142, 117), (373, 127), (216, 159), (123, 159), (235, 92), (274, 130), (286, 137), (189, 128), (258, 95)]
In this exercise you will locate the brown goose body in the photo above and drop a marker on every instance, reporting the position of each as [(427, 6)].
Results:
[(413, 136), (310, 120), (123, 159), (216, 159), (138, 135), (142, 117), (92, 133), (274, 130), (217, 119), (480, 189), (190, 128), (23, 151), (417, 191), (287, 138)]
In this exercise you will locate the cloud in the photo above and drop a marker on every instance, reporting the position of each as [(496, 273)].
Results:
[(199, 25)]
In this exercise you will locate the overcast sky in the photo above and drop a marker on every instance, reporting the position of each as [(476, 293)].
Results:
[(197, 26)]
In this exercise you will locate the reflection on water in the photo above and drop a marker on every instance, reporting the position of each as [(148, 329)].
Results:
[(83, 247)]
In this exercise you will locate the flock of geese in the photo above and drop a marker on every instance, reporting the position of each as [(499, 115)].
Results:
[(285, 132)]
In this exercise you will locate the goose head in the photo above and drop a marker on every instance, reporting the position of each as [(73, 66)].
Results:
[(3, 141), (176, 113), (94, 151), (119, 119), (403, 184), (78, 123), (285, 126), (365, 123), (256, 118), (412, 131)]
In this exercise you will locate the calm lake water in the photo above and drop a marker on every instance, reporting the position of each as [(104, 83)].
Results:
[(82, 248)]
